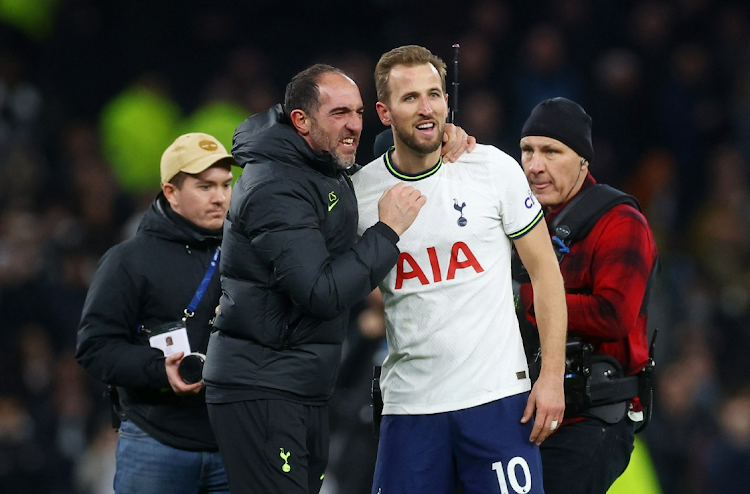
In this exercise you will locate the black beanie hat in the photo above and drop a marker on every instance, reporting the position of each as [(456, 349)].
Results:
[(564, 120)]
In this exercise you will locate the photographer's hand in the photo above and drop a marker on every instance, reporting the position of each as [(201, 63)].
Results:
[(175, 381)]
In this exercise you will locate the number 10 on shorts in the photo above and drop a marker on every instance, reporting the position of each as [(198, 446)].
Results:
[(511, 477)]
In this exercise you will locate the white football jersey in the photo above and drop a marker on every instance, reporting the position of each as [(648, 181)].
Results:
[(452, 331)]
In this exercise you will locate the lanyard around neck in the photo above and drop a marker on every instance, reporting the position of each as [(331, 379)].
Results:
[(190, 311)]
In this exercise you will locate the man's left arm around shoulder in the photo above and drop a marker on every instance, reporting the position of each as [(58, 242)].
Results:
[(547, 397), (455, 142)]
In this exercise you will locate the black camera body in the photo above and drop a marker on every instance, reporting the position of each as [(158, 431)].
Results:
[(594, 383), (577, 374)]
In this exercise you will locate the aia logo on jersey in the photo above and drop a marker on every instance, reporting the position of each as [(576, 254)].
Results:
[(408, 268), (529, 202), (461, 220)]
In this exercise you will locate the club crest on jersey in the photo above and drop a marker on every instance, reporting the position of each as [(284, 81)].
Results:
[(461, 220)]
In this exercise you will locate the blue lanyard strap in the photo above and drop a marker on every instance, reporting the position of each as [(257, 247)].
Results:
[(190, 311)]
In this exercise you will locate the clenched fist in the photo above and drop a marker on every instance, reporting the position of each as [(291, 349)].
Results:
[(399, 206)]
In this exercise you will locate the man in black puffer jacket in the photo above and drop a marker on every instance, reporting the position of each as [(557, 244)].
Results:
[(165, 442), (292, 267)]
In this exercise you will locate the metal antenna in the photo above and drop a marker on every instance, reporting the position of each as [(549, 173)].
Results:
[(453, 97)]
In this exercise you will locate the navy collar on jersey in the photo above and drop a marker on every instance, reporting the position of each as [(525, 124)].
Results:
[(409, 177)]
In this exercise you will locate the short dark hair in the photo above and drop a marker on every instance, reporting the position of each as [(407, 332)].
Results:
[(303, 91), (178, 179)]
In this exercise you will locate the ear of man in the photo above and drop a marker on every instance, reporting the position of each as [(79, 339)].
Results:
[(383, 113), (169, 190), (171, 194), (300, 121)]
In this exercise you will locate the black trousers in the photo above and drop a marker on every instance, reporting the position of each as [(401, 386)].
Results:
[(586, 457), (272, 446)]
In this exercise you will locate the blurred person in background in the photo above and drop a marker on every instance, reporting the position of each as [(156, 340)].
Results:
[(721, 252), (729, 456), (31, 458), (684, 426), (26, 456), (542, 71), (161, 283), (607, 277)]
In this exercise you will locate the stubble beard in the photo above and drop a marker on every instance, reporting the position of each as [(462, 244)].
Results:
[(410, 140), (326, 142), (341, 161)]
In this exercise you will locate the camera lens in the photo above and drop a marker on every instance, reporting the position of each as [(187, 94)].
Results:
[(191, 367)]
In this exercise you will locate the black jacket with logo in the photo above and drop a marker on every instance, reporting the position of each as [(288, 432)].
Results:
[(147, 281), (291, 268)]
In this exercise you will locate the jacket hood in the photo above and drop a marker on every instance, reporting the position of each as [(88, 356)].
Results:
[(160, 221), (269, 136)]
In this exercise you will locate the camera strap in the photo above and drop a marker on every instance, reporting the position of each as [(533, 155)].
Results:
[(615, 391), (190, 311), (577, 219)]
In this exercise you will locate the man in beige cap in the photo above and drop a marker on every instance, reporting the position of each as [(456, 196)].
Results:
[(161, 284)]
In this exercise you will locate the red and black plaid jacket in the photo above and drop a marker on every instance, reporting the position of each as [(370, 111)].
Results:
[(606, 275)]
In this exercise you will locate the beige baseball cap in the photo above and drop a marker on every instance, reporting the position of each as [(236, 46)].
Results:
[(192, 153)]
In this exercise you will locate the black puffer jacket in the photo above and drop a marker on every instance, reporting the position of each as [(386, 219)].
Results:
[(149, 280), (291, 268)]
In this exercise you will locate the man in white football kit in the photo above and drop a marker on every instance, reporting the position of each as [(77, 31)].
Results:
[(457, 405)]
